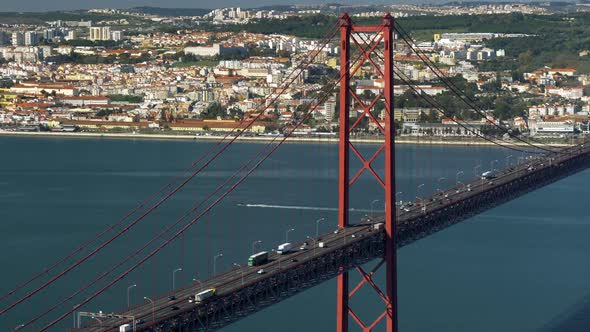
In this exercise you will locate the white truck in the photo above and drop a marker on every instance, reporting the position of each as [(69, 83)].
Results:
[(379, 226), (202, 296), (322, 245), (125, 328), (488, 175), (284, 248)]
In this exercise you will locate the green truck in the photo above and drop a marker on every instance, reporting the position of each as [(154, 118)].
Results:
[(258, 259)]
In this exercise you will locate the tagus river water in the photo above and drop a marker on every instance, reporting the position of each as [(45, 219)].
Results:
[(522, 266)]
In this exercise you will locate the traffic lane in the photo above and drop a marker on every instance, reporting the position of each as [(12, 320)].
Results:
[(271, 268), (439, 201), (280, 262), (140, 311), (479, 186), (163, 301), (231, 277), (144, 312), (476, 186)]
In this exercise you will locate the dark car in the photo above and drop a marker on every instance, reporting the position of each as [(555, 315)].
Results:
[(171, 298), (174, 308)]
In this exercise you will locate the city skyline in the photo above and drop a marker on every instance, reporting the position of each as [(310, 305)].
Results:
[(40, 6), (37, 5)]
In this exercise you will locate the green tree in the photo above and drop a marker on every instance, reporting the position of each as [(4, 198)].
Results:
[(213, 111), (126, 98), (368, 95)]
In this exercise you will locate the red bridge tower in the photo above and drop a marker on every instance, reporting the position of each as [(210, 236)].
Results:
[(369, 40)]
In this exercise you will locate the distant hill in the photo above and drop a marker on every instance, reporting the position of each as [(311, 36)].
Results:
[(170, 11), (42, 17)]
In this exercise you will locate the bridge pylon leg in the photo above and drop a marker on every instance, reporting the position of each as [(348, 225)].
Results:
[(380, 39), (343, 163)]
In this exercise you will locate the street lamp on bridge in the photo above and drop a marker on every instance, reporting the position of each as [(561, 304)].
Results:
[(317, 226), (174, 277), (287, 234), (457, 177), (254, 244), (420, 198), (129, 289), (492, 164), (418, 189), (373, 209), (153, 308), (215, 262)]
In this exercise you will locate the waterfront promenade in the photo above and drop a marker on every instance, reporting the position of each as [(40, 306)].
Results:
[(327, 140)]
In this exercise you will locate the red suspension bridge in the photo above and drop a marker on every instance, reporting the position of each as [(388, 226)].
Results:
[(334, 255)]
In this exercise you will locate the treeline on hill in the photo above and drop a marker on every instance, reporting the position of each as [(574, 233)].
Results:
[(556, 42), (316, 26), (313, 26), (42, 17)]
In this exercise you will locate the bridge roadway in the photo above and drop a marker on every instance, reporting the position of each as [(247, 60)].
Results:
[(228, 281), (241, 292)]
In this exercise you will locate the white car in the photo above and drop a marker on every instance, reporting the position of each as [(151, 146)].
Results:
[(261, 271)]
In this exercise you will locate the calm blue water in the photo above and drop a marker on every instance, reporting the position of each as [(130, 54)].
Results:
[(522, 266)]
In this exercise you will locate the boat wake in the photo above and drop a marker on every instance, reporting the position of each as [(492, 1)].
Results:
[(295, 207)]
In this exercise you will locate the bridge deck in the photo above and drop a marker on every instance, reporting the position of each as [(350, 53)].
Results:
[(244, 291)]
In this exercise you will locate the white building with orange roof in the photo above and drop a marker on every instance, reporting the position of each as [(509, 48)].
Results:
[(562, 71)]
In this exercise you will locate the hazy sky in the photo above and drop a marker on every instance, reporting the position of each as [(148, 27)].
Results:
[(42, 5)]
